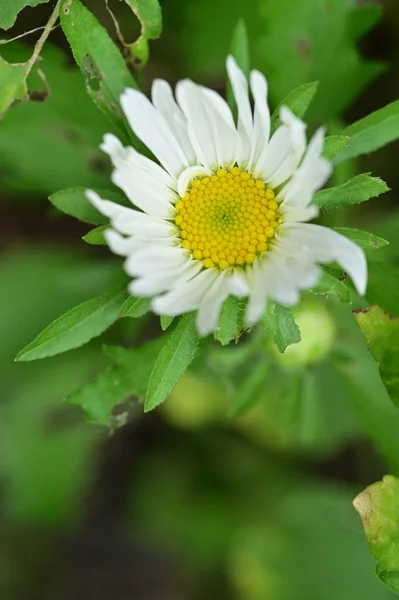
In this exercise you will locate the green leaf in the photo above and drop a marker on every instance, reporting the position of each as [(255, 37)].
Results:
[(378, 506), (229, 321), (96, 236), (105, 72), (9, 10), (355, 190), (173, 360), (382, 287), (367, 241), (247, 393), (240, 50), (166, 321), (329, 285), (334, 145), (382, 334), (280, 321), (363, 19), (135, 307), (298, 101), (12, 84), (150, 16), (76, 327), (73, 202), (373, 132)]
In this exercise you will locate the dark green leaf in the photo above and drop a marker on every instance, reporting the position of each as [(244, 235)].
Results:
[(229, 321), (135, 307), (373, 132), (248, 390), (367, 241), (363, 19), (150, 16), (105, 72), (240, 50), (73, 202), (356, 190), (9, 10), (96, 236), (280, 321), (298, 101), (378, 506), (76, 327), (173, 360), (334, 145)]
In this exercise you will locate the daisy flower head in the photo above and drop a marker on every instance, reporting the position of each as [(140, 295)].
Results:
[(222, 209)]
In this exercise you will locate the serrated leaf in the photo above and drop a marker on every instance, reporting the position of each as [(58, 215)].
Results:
[(378, 507), (229, 321), (358, 189), (174, 358), (74, 203), (12, 84), (382, 334), (240, 50), (77, 326), (247, 392), (135, 307), (105, 72), (96, 236), (281, 322), (166, 321), (298, 101), (329, 285), (367, 241), (149, 14), (373, 132), (334, 145)]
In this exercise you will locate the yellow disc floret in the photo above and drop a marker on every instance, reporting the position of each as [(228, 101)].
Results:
[(227, 219)]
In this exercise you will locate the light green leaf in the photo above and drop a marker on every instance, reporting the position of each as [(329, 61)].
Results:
[(76, 327), (334, 145), (135, 307), (298, 101), (367, 241), (382, 334), (9, 10), (373, 132), (173, 360), (105, 72), (248, 390), (356, 190), (329, 285), (150, 16), (240, 50), (96, 236), (280, 321), (73, 202), (12, 84), (229, 321), (378, 506), (166, 321)]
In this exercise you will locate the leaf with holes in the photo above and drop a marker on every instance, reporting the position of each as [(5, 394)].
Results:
[(12, 84), (9, 10), (358, 189), (367, 241), (149, 14), (281, 322)]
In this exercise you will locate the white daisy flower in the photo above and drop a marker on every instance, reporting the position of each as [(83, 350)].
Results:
[(224, 212)]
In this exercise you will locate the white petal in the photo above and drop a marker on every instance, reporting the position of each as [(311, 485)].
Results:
[(152, 129), (210, 124), (261, 130), (209, 310), (164, 102), (326, 245), (185, 298), (186, 178), (153, 258), (245, 124), (152, 283), (310, 176), (119, 244), (108, 208), (258, 276)]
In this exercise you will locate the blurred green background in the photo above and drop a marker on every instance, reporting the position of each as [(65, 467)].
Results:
[(188, 503)]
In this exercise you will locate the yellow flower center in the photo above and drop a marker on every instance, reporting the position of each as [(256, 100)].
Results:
[(227, 219)]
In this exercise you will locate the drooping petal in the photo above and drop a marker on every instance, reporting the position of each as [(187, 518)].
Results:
[(245, 122), (152, 129), (179, 300), (211, 306), (261, 128), (210, 124)]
